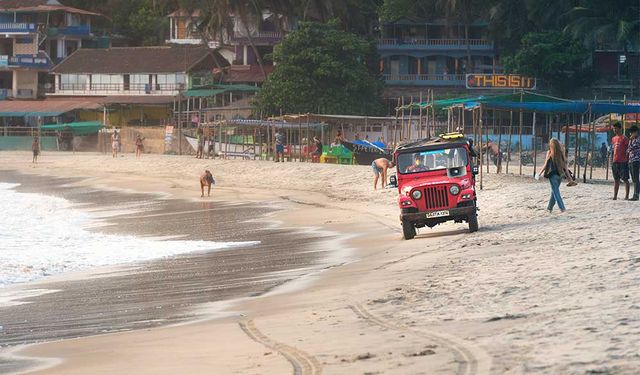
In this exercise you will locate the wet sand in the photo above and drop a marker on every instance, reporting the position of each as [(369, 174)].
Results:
[(530, 293), (159, 292)]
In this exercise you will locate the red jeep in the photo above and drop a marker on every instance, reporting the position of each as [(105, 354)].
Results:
[(436, 182)]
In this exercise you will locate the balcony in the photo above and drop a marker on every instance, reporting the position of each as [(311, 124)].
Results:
[(17, 28), (79, 30), (438, 80), (259, 38), (100, 89), (398, 44)]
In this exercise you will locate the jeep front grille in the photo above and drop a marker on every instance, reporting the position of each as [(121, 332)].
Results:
[(436, 197)]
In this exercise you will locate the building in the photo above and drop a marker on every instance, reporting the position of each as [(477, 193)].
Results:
[(136, 85), (420, 55), (236, 46), (34, 34)]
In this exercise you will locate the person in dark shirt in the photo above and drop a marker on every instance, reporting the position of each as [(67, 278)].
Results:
[(315, 156), (633, 153)]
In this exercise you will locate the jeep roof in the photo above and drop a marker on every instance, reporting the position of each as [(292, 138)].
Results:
[(427, 144)]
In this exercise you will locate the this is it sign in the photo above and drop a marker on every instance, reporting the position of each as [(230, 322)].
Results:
[(500, 81)]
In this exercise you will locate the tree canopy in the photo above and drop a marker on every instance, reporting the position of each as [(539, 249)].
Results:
[(320, 68), (555, 57)]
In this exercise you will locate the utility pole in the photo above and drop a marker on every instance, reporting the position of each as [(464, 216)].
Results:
[(180, 121)]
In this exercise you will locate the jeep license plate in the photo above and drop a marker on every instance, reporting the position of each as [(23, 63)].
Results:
[(434, 214)]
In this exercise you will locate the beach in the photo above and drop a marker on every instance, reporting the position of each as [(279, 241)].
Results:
[(530, 293)]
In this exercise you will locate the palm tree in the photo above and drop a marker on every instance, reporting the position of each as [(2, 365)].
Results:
[(611, 23)]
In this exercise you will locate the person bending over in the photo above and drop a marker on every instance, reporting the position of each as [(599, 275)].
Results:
[(380, 168)]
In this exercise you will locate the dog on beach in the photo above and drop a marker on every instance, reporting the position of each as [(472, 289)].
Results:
[(206, 180)]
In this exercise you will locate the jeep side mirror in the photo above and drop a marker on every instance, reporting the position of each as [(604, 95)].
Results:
[(475, 170)]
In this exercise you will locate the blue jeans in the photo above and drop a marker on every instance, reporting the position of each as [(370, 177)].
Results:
[(555, 181)]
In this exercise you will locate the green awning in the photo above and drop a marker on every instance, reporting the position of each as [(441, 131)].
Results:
[(77, 128), (203, 93)]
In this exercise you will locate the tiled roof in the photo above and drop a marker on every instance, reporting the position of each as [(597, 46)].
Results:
[(246, 73), (40, 6), (131, 60)]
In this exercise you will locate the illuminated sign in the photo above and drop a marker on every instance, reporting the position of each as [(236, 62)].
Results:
[(500, 81)]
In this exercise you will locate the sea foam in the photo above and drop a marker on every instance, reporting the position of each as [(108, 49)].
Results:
[(42, 235)]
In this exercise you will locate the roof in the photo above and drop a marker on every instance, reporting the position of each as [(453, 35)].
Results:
[(44, 108), (433, 144), (77, 128), (123, 60), (40, 6), (246, 73)]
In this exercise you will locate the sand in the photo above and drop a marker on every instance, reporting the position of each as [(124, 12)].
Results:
[(530, 293)]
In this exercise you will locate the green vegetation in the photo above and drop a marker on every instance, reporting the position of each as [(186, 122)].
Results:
[(320, 68), (555, 57)]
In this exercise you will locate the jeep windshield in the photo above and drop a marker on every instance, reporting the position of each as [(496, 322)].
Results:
[(432, 160)]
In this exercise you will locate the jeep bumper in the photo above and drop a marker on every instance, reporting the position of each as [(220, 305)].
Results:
[(457, 214)]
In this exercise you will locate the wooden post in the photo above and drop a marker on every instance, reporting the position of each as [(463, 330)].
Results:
[(486, 136), (499, 142), (300, 138), (480, 134), (410, 130), (509, 145), (420, 117), (308, 135), (535, 145)]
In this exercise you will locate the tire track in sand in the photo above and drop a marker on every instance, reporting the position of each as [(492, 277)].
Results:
[(471, 359), (303, 363)]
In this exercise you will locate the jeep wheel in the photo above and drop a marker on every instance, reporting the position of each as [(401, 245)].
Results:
[(408, 230), (473, 222)]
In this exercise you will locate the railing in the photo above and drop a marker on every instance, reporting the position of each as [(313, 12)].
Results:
[(78, 30), (418, 42), (258, 37), (121, 87), (434, 79), (17, 27)]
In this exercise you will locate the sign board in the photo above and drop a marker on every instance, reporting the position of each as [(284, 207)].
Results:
[(4, 60), (500, 81)]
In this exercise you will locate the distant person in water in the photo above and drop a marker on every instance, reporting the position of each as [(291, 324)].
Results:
[(380, 168), (35, 147), (206, 180)]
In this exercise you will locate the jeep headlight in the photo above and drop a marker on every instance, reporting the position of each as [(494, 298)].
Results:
[(454, 189), (416, 194)]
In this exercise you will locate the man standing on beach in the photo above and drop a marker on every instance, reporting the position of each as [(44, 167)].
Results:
[(634, 161), (380, 167), (315, 156), (620, 166), (604, 153), (279, 138), (35, 147), (115, 144)]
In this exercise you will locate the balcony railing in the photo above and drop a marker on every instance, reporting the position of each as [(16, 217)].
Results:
[(79, 30), (425, 79), (17, 27), (259, 37), (121, 87), (433, 43)]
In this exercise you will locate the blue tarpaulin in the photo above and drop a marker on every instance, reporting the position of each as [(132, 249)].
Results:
[(563, 107)]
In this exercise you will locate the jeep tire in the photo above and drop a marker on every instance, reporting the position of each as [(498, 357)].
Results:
[(473, 222), (408, 230)]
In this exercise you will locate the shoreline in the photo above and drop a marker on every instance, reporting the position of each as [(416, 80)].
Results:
[(509, 299), (291, 276)]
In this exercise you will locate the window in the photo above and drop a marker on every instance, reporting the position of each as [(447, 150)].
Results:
[(73, 81), (106, 82), (424, 161)]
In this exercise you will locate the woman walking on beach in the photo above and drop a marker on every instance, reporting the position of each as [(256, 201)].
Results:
[(35, 147), (139, 146), (554, 168)]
